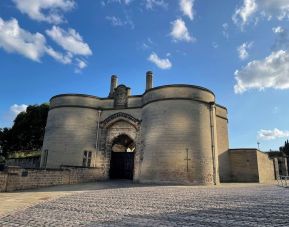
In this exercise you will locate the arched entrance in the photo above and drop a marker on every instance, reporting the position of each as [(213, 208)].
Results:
[(122, 158)]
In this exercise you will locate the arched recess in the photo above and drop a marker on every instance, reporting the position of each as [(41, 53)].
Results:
[(122, 158), (114, 126)]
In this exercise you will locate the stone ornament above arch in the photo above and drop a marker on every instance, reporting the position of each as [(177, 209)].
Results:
[(106, 123)]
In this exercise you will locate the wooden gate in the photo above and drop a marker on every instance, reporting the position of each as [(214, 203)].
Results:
[(122, 165)]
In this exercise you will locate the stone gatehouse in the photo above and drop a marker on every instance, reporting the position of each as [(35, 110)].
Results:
[(173, 134)]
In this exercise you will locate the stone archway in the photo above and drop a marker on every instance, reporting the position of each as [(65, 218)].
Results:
[(114, 127), (122, 158)]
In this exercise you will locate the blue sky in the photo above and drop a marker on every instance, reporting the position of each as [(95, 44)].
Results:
[(238, 49)]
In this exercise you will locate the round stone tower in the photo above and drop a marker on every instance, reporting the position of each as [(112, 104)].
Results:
[(178, 135)]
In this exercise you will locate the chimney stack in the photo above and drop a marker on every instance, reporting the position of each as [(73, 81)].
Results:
[(113, 85), (149, 80)]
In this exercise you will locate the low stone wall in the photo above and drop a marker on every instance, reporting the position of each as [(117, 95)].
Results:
[(244, 165), (265, 168), (251, 165), (15, 178)]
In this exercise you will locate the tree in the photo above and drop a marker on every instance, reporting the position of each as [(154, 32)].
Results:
[(5, 141), (285, 148), (27, 132)]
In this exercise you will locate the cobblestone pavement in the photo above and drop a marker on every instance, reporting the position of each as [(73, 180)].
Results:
[(143, 205)]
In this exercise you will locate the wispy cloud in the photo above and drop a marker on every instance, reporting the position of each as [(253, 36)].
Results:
[(180, 32), (164, 63), (45, 10), (243, 50), (253, 10), (243, 14), (16, 109), (225, 30), (187, 8), (151, 4), (272, 134), (69, 40), (118, 22)]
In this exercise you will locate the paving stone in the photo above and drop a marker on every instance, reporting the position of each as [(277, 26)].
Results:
[(145, 205)]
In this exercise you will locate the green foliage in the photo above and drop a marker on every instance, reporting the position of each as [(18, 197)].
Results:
[(24, 154), (285, 148), (2, 159), (27, 132)]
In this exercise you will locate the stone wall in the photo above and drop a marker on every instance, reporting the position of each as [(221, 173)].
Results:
[(223, 144), (244, 165), (265, 168), (3, 180), (251, 165), (15, 178), (168, 129), (69, 132)]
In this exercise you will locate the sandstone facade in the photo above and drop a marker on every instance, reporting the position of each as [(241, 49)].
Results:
[(180, 133), (170, 134)]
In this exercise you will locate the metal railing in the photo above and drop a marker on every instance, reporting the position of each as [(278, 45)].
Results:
[(283, 181)]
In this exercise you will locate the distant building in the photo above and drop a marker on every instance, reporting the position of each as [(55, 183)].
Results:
[(172, 133)]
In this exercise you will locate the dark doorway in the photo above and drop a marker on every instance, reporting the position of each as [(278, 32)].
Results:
[(122, 158)]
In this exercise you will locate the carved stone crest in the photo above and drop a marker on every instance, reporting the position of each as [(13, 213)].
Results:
[(121, 96)]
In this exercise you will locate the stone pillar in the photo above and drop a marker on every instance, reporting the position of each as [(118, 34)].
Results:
[(276, 168), (113, 85), (128, 91), (285, 166), (149, 80)]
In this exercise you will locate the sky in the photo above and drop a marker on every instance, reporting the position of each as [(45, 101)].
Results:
[(238, 49)]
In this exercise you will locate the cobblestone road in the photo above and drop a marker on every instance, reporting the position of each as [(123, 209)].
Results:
[(125, 204)]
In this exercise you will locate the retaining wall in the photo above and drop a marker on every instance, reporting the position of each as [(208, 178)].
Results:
[(15, 178)]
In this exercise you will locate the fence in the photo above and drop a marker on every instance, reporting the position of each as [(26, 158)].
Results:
[(283, 181)]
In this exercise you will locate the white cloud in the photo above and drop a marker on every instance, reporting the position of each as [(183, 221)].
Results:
[(161, 63), (81, 64), (243, 14), (180, 31), (278, 29), (272, 134), (62, 58), (255, 9), (150, 4), (271, 72), (16, 109), (186, 7), (69, 40), (243, 50), (126, 2), (282, 39), (45, 10), (225, 31), (14, 39), (118, 22)]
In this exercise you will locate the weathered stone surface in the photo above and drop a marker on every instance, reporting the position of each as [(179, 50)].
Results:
[(124, 204), (19, 179), (251, 165)]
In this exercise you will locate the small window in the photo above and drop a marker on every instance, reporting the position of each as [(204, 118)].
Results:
[(86, 162)]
